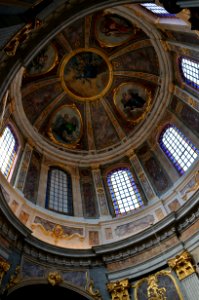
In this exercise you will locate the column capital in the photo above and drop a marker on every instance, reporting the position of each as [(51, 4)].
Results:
[(119, 289), (182, 264)]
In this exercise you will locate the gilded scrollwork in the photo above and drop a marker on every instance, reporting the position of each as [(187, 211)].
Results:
[(15, 278), (158, 286), (22, 35), (119, 290), (4, 267), (153, 291), (182, 264), (54, 278), (57, 233), (92, 291)]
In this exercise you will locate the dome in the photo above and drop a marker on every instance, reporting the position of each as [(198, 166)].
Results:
[(107, 74), (99, 149)]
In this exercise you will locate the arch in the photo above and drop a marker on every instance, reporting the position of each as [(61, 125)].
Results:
[(62, 291), (178, 148), (59, 191), (124, 191), (189, 69), (9, 150)]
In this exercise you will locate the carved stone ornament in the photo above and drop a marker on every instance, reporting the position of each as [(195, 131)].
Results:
[(4, 267), (94, 293), (153, 291), (14, 278), (22, 35), (57, 233), (182, 265), (54, 278), (119, 290)]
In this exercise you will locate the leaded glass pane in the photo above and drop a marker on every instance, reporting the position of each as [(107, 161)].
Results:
[(157, 10), (8, 150), (124, 192), (181, 152), (59, 191), (190, 72)]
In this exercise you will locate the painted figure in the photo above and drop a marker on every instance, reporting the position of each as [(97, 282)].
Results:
[(131, 100), (65, 127), (114, 25)]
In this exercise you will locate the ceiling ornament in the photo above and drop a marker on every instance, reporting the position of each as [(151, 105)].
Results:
[(86, 74), (65, 126), (57, 233), (133, 101), (113, 30), (43, 62)]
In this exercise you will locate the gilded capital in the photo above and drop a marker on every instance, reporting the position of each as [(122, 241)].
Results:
[(182, 265), (119, 290)]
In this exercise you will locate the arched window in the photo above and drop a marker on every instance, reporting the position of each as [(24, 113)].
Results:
[(190, 71), (124, 192), (157, 10), (59, 191), (181, 152), (8, 150)]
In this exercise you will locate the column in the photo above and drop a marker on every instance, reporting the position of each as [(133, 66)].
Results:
[(100, 191), (183, 266), (41, 196), (77, 199), (143, 180), (23, 168)]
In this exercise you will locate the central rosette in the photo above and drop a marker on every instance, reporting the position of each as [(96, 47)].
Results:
[(86, 74)]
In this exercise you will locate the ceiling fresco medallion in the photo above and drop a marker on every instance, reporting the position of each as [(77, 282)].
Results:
[(43, 62), (133, 101), (113, 30), (65, 126), (86, 74)]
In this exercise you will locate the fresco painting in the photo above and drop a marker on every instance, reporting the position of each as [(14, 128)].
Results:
[(43, 62), (65, 126), (132, 101), (86, 74), (112, 30)]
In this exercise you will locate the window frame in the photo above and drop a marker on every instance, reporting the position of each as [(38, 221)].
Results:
[(173, 160), (135, 183), (69, 192), (188, 82), (16, 152)]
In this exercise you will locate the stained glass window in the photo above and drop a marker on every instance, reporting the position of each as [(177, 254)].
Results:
[(157, 10), (190, 71), (178, 148), (8, 150), (124, 191), (59, 191)]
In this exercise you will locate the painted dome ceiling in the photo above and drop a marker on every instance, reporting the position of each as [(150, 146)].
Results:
[(95, 85)]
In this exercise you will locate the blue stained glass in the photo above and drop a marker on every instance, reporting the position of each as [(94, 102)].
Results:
[(8, 150), (189, 69), (59, 191), (157, 10), (127, 197), (181, 152)]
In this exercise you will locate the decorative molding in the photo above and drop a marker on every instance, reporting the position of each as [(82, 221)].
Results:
[(119, 290), (92, 292), (15, 278), (54, 278), (182, 264), (57, 232), (22, 35), (4, 267), (153, 291)]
